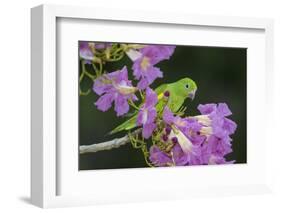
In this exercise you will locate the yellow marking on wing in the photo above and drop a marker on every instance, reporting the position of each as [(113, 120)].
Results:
[(160, 96)]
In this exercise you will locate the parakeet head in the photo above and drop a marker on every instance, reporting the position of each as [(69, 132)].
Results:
[(188, 87)]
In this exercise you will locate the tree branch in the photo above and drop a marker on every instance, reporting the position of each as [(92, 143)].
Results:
[(108, 145)]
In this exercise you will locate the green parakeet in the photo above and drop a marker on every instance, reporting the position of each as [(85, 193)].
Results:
[(178, 92)]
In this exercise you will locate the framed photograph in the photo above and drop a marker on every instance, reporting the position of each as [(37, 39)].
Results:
[(129, 106)]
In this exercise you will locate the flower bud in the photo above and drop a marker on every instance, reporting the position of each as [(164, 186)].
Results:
[(168, 130), (174, 139), (164, 138)]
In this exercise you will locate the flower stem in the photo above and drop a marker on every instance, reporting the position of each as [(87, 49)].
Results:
[(131, 103), (81, 77), (140, 144), (84, 93), (141, 95), (92, 77), (116, 58)]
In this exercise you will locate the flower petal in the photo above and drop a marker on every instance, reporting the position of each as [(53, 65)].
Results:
[(104, 102), (148, 130), (143, 83), (168, 116), (85, 52), (207, 108), (223, 110), (150, 98), (101, 87), (159, 158), (229, 125), (121, 105)]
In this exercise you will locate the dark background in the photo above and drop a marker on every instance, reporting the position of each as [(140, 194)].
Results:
[(220, 74)]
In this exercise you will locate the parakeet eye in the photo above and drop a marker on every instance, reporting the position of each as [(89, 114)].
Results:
[(187, 86)]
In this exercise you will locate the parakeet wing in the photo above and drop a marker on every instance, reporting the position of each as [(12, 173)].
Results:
[(127, 125)]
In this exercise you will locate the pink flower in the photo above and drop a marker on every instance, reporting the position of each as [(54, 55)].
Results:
[(143, 67), (85, 51), (114, 87), (147, 113)]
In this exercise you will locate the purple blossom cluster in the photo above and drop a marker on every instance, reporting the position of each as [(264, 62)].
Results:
[(144, 68), (197, 140), (115, 86)]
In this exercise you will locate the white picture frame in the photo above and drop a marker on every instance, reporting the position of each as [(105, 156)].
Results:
[(45, 157)]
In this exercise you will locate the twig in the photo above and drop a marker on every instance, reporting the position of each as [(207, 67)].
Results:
[(108, 145)]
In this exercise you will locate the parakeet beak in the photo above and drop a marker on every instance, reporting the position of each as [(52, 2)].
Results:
[(191, 95)]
